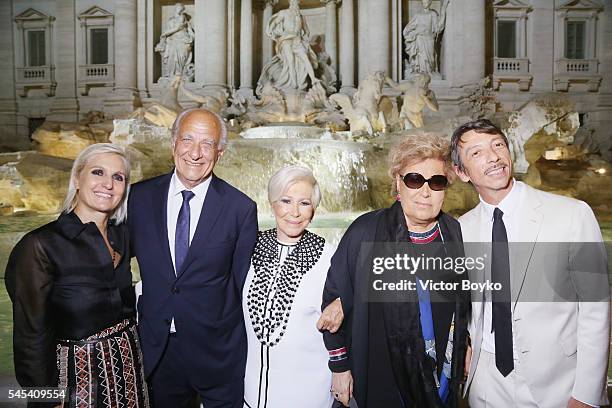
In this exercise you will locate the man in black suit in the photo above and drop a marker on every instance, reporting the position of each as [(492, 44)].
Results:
[(193, 235)]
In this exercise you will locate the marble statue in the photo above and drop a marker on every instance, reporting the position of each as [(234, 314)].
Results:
[(421, 35), (176, 45), (237, 105), (551, 115), (164, 112), (325, 71), (214, 101), (416, 95), (364, 112), (270, 107), (293, 66)]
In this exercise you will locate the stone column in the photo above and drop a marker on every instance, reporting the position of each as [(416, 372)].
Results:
[(211, 44), (124, 97), (9, 137), (378, 51), (267, 46), (331, 37), (362, 39), (65, 106), (347, 46), (246, 47), (126, 46), (465, 49), (199, 59), (601, 117), (142, 71)]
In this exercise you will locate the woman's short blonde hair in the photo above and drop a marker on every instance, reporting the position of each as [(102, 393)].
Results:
[(287, 176), (416, 148), (120, 213)]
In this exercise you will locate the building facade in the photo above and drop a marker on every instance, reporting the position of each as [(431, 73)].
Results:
[(61, 59)]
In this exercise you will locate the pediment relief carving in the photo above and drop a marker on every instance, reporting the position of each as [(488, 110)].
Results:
[(511, 4), (94, 12), (32, 14), (581, 5)]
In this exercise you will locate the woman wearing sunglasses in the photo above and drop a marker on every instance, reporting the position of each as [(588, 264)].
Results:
[(402, 348)]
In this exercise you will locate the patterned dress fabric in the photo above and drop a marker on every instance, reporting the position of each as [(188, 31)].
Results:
[(103, 370)]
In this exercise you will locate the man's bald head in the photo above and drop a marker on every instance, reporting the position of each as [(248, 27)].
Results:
[(205, 117)]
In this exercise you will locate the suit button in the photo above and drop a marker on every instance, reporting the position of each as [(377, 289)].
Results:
[(175, 290)]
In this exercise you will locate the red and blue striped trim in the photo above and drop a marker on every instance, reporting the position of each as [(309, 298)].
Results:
[(338, 354), (425, 237)]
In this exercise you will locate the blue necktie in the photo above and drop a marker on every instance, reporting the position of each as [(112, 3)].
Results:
[(181, 238), (502, 315)]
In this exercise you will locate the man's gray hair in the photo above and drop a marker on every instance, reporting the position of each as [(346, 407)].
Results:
[(70, 202), (222, 126), (287, 176)]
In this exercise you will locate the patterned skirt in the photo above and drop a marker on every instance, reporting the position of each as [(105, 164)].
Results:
[(103, 370)]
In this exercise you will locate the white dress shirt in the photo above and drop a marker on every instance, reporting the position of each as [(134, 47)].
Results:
[(175, 201)]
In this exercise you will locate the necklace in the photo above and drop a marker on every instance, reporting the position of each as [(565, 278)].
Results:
[(274, 286)]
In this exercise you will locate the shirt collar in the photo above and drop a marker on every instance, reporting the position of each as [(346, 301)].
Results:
[(509, 203), (176, 187), (71, 226)]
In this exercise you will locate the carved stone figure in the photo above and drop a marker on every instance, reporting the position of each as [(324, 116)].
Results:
[(325, 71), (365, 111), (293, 66), (421, 35), (164, 112), (237, 105), (176, 45), (552, 115), (270, 107), (416, 95), (214, 101)]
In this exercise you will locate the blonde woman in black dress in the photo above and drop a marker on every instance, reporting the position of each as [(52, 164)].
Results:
[(71, 288)]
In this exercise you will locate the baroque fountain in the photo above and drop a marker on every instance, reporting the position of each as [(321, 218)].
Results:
[(296, 116)]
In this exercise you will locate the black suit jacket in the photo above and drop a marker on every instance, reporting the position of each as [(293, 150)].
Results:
[(204, 298)]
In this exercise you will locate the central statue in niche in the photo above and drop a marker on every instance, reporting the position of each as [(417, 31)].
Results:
[(295, 62), (421, 37), (176, 45)]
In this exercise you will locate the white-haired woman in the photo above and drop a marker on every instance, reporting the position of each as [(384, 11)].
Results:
[(287, 359), (72, 294)]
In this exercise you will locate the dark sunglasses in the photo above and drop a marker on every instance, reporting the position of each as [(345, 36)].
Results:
[(415, 181)]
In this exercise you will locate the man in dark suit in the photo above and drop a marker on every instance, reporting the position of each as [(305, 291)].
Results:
[(193, 235)]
